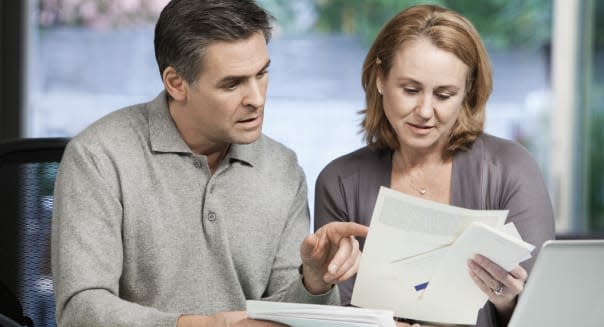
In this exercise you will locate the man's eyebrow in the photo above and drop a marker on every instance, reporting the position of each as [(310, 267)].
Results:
[(268, 63), (238, 78)]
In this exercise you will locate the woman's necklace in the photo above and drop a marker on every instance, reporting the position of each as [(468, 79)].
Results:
[(410, 178), (421, 190), (428, 179)]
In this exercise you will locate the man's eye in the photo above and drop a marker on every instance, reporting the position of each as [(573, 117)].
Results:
[(231, 86), (262, 73)]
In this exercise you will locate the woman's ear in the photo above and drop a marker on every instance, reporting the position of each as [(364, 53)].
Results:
[(175, 85)]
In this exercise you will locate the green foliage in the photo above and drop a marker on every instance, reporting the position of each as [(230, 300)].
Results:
[(282, 11), (509, 23), (595, 179), (364, 18), (501, 23), (598, 32)]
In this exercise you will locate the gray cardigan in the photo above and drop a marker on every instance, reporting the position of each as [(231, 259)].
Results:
[(142, 232), (493, 174)]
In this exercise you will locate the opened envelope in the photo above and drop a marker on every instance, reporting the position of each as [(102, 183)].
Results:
[(409, 239)]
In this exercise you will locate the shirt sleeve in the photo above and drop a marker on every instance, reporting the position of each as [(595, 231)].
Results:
[(521, 190), (87, 245), (330, 205), (524, 194), (286, 283)]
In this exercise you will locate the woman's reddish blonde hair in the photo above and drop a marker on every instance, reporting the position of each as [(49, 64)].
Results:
[(449, 31)]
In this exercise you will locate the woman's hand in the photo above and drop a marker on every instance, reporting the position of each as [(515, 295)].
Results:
[(501, 286)]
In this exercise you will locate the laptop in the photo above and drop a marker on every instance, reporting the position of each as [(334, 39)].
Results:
[(565, 287)]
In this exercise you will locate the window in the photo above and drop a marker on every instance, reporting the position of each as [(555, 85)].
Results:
[(91, 57)]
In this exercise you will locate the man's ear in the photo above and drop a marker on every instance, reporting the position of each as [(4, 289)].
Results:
[(175, 85)]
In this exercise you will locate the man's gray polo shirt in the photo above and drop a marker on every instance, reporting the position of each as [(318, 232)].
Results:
[(142, 232)]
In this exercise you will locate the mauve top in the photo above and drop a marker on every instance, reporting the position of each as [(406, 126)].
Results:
[(494, 174)]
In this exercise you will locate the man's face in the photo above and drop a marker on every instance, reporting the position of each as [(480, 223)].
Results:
[(226, 104)]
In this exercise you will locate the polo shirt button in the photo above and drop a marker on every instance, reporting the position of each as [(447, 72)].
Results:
[(197, 163), (211, 216)]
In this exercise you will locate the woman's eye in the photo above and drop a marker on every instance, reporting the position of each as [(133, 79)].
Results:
[(411, 90), (443, 96)]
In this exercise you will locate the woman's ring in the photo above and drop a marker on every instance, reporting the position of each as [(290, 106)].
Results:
[(499, 290)]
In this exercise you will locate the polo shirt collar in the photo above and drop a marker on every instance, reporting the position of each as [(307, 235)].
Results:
[(246, 153), (163, 134), (165, 137)]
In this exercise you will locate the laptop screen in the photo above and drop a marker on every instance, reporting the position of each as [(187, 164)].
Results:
[(565, 287)]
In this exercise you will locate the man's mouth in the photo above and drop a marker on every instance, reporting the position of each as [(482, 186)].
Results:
[(247, 120)]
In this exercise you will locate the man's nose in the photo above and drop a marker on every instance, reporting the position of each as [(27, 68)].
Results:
[(255, 94)]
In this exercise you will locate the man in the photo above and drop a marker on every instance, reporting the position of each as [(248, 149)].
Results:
[(176, 211)]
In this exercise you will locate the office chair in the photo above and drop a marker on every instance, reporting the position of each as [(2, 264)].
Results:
[(27, 173)]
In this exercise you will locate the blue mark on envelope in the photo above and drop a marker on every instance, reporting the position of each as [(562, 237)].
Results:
[(421, 286)]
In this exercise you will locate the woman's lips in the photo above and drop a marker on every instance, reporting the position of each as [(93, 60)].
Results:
[(420, 129)]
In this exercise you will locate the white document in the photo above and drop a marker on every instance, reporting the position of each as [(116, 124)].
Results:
[(417, 249), (314, 315), (452, 281)]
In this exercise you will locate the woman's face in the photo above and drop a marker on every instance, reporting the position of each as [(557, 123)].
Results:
[(423, 94)]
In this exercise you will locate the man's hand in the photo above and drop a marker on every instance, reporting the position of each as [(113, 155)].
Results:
[(223, 319), (331, 255)]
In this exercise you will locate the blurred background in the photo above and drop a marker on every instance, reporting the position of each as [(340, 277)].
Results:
[(66, 63)]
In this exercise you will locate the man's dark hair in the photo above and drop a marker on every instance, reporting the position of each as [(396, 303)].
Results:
[(187, 27)]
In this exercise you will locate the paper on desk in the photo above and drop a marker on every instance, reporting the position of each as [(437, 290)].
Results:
[(314, 315), (408, 240)]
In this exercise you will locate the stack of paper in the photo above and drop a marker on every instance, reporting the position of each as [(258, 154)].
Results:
[(314, 315), (415, 258)]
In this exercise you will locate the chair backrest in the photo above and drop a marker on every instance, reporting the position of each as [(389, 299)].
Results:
[(27, 174)]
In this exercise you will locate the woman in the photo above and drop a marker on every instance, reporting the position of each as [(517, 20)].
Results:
[(427, 79)]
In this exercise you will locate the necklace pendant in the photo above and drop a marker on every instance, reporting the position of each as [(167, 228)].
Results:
[(422, 191)]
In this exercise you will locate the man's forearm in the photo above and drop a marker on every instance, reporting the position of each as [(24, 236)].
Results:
[(220, 319), (96, 307), (194, 321)]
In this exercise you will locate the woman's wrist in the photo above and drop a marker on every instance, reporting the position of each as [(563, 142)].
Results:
[(505, 310)]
